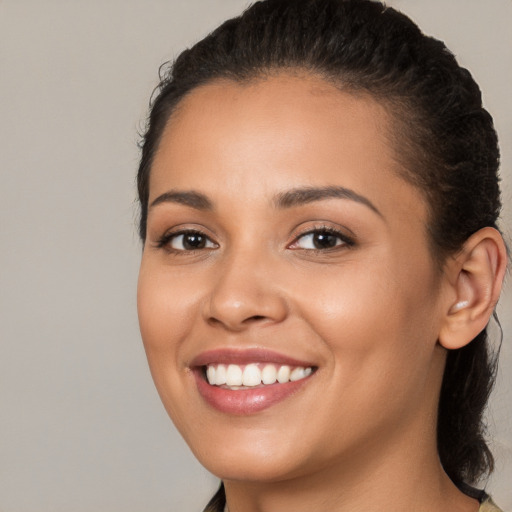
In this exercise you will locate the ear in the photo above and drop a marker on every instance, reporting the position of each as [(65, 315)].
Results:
[(475, 276)]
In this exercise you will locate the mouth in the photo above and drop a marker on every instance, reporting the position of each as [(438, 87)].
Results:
[(249, 381), (253, 375)]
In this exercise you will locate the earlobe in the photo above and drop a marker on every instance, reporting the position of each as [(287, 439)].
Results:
[(475, 280)]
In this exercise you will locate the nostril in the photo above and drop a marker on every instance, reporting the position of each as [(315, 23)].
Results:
[(213, 321), (254, 318), (237, 313)]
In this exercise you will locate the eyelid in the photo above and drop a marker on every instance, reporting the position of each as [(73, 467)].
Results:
[(164, 242), (347, 240)]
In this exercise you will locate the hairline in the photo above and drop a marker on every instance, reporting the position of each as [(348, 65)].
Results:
[(397, 108)]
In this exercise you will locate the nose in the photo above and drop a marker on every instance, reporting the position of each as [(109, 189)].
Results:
[(245, 292)]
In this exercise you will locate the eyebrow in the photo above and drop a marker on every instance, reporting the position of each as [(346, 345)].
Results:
[(288, 199), (300, 196), (191, 198)]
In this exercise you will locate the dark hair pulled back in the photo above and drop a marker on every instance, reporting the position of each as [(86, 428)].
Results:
[(445, 142)]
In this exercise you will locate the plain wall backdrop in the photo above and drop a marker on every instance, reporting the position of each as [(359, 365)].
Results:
[(81, 426)]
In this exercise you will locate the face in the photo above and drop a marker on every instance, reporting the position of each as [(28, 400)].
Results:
[(288, 302)]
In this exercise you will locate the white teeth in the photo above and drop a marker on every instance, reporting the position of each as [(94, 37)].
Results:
[(283, 374), (251, 375), (297, 374), (236, 377), (300, 373), (220, 375), (210, 374), (269, 374)]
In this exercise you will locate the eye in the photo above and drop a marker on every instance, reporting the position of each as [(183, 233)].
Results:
[(186, 241), (321, 239)]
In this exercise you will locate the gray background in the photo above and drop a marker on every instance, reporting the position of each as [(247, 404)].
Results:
[(81, 427)]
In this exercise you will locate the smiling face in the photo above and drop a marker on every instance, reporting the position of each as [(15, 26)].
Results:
[(285, 254)]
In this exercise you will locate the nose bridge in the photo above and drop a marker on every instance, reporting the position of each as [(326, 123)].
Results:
[(245, 290)]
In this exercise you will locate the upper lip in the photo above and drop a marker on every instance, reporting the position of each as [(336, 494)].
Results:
[(245, 356)]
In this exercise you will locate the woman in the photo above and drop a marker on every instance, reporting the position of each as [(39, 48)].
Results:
[(319, 199)]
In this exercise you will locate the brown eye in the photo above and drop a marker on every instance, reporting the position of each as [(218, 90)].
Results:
[(190, 241), (321, 240), (325, 240)]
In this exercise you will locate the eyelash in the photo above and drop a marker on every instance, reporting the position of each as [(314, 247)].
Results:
[(346, 241), (165, 241)]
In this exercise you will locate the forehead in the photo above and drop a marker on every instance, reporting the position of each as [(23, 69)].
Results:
[(284, 130), (302, 104)]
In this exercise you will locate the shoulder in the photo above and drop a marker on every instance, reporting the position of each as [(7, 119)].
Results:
[(486, 503), (488, 506)]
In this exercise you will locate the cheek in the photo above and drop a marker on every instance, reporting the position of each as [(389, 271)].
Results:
[(375, 322), (165, 311), (165, 316)]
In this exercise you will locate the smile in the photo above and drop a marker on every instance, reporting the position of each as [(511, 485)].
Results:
[(241, 382), (239, 377)]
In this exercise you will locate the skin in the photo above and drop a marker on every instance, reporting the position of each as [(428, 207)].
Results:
[(360, 434)]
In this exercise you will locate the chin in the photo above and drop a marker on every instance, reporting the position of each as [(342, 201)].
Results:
[(256, 469), (254, 460)]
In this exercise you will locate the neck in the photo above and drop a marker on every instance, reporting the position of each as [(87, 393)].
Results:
[(402, 474)]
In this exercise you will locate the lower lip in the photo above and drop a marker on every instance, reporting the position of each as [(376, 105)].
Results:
[(246, 401)]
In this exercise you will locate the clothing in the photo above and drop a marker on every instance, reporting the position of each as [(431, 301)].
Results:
[(489, 506), (218, 502)]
